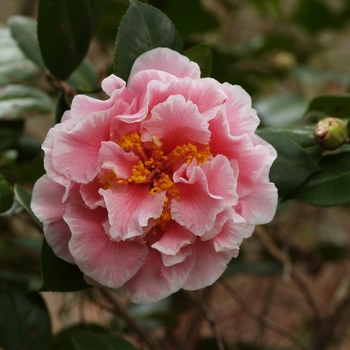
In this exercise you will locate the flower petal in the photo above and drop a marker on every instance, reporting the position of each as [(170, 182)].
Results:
[(90, 195), (154, 281), (166, 60), (114, 158), (241, 117), (197, 208), (57, 235), (209, 265), (176, 122), (107, 262), (47, 200), (173, 239), (130, 207)]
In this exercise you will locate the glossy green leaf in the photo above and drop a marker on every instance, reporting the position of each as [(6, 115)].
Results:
[(331, 105), (19, 101), (91, 341), (14, 66), (84, 78), (65, 29), (58, 275), (280, 110), (330, 186), (63, 340), (24, 320), (189, 16), (143, 28), (202, 55), (10, 131), (24, 31), (6, 194), (292, 165), (24, 198)]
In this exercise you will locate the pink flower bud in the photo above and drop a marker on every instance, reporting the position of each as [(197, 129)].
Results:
[(330, 133)]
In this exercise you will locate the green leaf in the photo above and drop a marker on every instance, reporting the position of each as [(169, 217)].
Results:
[(292, 165), (63, 340), (10, 131), (202, 55), (189, 16), (90, 341), (24, 31), (330, 186), (280, 110), (58, 275), (6, 194), (24, 320), (65, 29), (24, 198), (84, 78), (332, 105), (14, 66), (143, 28), (19, 101)]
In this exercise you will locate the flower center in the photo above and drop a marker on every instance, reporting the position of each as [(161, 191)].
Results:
[(155, 168)]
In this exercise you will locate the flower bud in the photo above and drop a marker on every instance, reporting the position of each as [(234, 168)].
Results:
[(330, 133)]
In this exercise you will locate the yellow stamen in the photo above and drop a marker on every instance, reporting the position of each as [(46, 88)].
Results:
[(165, 217), (131, 142)]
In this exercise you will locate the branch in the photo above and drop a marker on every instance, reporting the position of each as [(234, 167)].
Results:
[(208, 316), (296, 274), (262, 320), (119, 311)]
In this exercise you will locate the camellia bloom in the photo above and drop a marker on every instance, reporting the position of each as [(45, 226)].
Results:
[(155, 188)]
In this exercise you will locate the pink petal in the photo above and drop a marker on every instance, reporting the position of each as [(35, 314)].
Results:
[(221, 219), (166, 60), (221, 179), (242, 118), (209, 265), (154, 281), (130, 207), (75, 152), (259, 207), (179, 257), (47, 200), (232, 234), (176, 122), (107, 262), (251, 159), (197, 208), (206, 94), (173, 239), (114, 158), (111, 84), (57, 235), (90, 195)]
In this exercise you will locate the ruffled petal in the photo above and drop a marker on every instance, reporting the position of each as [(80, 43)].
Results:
[(75, 152), (107, 262), (154, 281), (90, 195), (58, 235), (47, 200), (241, 117), (173, 239), (166, 60), (179, 257), (251, 159), (176, 122), (197, 208), (209, 265), (130, 207), (259, 207), (114, 158)]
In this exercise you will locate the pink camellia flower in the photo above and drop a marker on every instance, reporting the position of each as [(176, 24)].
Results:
[(155, 188)]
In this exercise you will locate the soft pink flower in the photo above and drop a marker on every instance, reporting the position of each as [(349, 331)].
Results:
[(155, 188)]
